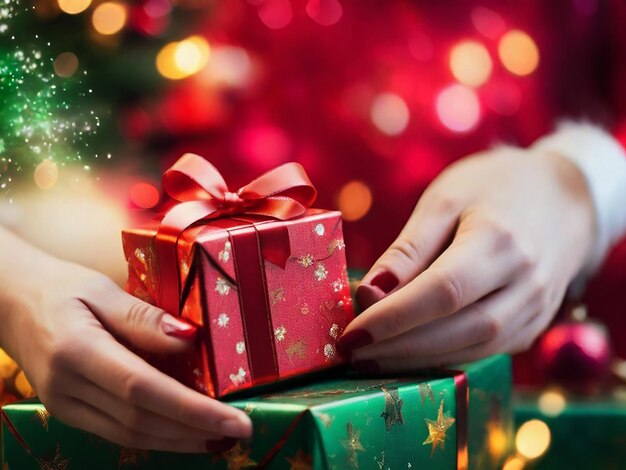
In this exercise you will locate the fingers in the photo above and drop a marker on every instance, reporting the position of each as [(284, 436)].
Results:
[(147, 327), (479, 322), (135, 417), (122, 373), (467, 271), (422, 239), (81, 415)]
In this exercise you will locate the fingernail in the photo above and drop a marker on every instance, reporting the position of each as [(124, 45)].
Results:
[(172, 326), (366, 296), (234, 427), (366, 365), (385, 281), (352, 340), (221, 446)]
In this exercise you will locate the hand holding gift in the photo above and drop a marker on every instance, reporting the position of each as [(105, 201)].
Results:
[(481, 266), (67, 326)]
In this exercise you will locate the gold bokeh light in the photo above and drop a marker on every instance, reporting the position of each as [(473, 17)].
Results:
[(470, 63), (518, 52)]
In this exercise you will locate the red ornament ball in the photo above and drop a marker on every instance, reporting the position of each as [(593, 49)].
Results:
[(576, 354)]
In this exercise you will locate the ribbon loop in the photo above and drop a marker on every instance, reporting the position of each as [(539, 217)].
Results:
[(282, 193)]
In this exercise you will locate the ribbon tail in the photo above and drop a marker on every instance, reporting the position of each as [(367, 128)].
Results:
[(174, 223)]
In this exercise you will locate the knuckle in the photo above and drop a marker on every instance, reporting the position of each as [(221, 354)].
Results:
[(445, 204), (492, 325), (451, 290), (133, 388), (139, 314), (538, 286), (407, 248)]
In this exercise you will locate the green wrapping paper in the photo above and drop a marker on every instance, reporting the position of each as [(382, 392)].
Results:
[(589, 432), (345, 423)]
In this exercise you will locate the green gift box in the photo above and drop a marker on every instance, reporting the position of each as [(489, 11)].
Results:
[(450, 419), (586, 432)]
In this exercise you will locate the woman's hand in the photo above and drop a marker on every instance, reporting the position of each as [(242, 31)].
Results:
[(62, 327), (481, 266)]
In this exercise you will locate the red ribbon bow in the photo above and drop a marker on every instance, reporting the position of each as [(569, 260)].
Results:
[(282, 193)]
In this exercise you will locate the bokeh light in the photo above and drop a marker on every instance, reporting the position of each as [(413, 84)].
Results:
[(73, 7), (66, 64), (178, 60), (275, 14), (532, 438), (46, 174), (325, 12), (390, 114), (518, 52), (144, 195), (487, 22), (513, 463), (458, 108), (470, 63), (230, 66), (354, 200), (109, 18), (551, 403)]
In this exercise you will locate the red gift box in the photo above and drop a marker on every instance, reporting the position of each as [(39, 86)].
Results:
[(262, 276)]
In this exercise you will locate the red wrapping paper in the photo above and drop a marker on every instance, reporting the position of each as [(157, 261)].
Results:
[(306, 296)]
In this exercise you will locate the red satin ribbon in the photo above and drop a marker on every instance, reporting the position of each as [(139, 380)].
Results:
[(282, 193)]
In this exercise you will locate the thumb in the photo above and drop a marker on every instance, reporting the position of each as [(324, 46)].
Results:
[(142, 325), (424, 236)]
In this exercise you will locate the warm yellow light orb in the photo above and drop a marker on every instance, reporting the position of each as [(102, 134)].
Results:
[(73, 7), (66, 64), (458, 108), (46, 174), (354, 200), (470, 63), (8, 366), (532, 438), (178, 60), (109, 18), (551, 403), (513, 463), (390, 114), (518, 52)]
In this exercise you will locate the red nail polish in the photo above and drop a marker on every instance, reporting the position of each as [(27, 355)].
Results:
[(353, 340), (385, 281), (177, 328), (221, 445), (366, 296), (368, 366)]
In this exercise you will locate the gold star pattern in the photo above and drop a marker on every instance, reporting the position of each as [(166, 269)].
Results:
[(326, 419), (296, 349), (393, 408), (43, 416), (238, 458), (437, 429), (352, 444), (54, 461), (426, 392), (131, 457), (277, 295), (301, 461)]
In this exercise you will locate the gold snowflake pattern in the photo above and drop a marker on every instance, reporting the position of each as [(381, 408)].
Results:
[(337, 285), (329, 352), (222, 320), (306, 261), (305, 309), (224, 254), (319, 230), (221, 286), (277, 295), (334, 331), (321, 272), (279, 333), (240, 347), (239, 378)]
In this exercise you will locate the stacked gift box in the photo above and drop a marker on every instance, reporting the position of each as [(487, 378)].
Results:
[(263, 277)]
